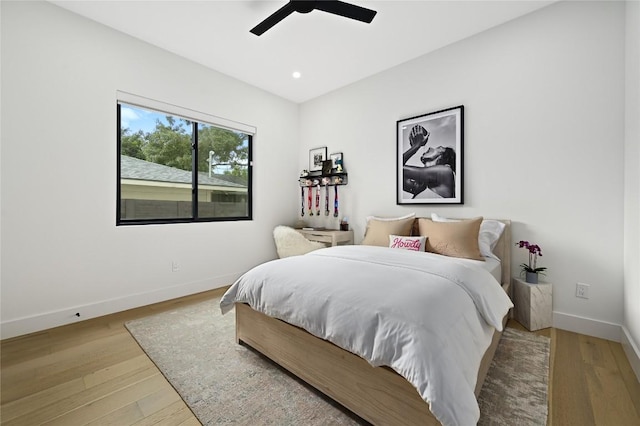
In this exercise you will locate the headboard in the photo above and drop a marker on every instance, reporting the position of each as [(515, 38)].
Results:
[(502, 250)]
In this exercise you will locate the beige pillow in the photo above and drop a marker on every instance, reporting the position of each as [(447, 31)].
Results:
[(378, 230), (455, 239)]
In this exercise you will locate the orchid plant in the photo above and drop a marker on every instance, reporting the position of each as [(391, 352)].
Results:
[(534, 252)]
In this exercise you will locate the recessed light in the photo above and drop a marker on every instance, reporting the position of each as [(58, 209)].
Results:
[(296, 74)]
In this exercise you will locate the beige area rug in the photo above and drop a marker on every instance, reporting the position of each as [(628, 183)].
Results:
[(225, 383)]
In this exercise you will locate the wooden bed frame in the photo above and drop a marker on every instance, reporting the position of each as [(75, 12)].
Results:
[(377, 394)]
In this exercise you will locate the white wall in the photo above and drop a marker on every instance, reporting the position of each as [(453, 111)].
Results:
[(61, 251), (544, 141), (0, 164), (631, 325)]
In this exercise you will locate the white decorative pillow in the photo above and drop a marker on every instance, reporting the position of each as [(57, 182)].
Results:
[(390, 219), (407, 243), (490, 232)]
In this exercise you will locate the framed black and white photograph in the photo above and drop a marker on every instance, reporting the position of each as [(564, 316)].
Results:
[(430, 158), (316, 157), (336, 156)]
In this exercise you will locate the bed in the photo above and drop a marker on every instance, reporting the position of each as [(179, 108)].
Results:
[(373, 381)]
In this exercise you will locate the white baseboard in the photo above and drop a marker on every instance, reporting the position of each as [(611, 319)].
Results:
[(587, 326), (631, 350), (44, 321)]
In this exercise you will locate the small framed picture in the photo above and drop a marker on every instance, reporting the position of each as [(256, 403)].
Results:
[(316, 157), (335, 157), (326, 167)]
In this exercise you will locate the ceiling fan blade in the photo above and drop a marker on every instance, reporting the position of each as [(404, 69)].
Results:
[(273, 19), (347, 10)]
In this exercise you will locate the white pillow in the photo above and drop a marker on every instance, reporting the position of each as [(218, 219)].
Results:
[(388, 219), (407, 243), (490, 232)]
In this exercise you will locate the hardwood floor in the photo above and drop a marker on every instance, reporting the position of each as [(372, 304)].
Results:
[(94, 373), (591, 382), (89, 373)]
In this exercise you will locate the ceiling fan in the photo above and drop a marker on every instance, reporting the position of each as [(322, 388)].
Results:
[(340, 8)]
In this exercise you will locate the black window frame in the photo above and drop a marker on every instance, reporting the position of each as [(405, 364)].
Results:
[(194, 178)]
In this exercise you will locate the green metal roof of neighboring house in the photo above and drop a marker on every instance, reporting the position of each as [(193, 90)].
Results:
[(135, 168)]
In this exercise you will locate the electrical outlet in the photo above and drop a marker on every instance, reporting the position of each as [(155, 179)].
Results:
[(175, 266), (582, 290)]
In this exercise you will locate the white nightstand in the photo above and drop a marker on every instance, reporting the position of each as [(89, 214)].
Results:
[(333, 237), (533, 304)]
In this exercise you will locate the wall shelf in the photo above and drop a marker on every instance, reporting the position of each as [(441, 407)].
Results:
[(317, 178)]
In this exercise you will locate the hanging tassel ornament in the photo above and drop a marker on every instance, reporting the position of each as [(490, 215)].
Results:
[(326, 199), (318, 199)]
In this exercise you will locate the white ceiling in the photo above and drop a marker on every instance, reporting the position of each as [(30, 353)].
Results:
[(330, 51)]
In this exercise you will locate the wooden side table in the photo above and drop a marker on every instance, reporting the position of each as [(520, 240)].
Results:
[(333, 237), (533, 304)]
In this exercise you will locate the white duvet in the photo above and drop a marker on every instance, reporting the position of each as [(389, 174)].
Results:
[(428, 317)]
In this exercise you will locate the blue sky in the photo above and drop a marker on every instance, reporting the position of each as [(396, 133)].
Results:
[(134, 118)]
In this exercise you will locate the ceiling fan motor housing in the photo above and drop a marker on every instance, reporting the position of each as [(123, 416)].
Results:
[(303, 6)]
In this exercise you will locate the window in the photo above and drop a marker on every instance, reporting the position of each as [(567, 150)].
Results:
[(179, 165)]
